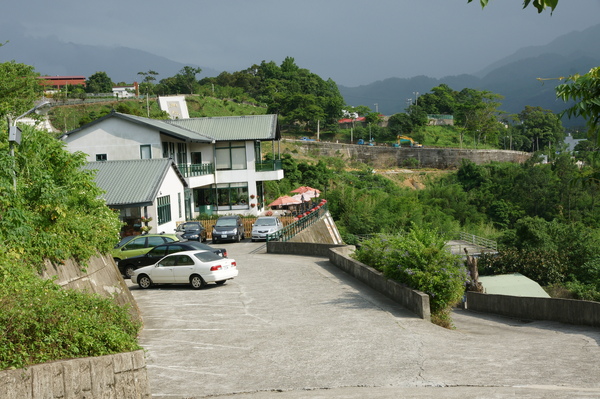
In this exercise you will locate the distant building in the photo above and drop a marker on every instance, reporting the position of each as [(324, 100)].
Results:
[(571, 142), (440, 120), (125, 91), (55, 83)]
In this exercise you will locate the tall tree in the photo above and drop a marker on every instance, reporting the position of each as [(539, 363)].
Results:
[(585, 90), (99, 83), (19, 88), (148, 79), (541, 126), (541, 5)]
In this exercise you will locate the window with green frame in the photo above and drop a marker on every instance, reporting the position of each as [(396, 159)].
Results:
[(163, 205), (230, 155)]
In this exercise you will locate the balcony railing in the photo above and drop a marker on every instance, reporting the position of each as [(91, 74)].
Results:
[(268, 166), (196, 169)]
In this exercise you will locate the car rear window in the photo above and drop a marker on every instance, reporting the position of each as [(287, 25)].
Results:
[(265, 222), (207, 256)]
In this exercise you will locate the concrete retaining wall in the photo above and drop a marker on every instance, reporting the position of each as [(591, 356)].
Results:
[(100, 276), (552, 309), (112, 377), (116, 376), (390, 157)]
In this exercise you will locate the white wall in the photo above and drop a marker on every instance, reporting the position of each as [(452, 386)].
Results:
[(118, 139)]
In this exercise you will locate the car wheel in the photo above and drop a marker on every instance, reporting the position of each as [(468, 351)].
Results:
[(144, 281), (197, 282), (221, 282), (129, 269), (215, 241)]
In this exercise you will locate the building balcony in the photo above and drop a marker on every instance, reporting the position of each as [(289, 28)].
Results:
[(268, 166), (194, 169)]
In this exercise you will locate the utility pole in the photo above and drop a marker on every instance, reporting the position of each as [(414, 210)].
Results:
[(416, 93)]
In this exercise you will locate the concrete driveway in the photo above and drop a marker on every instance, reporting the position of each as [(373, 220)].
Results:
[(297, 327)]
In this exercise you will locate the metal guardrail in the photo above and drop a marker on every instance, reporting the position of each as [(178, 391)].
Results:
[(196, 169), (268, 166), (480, 241), (304, 221)]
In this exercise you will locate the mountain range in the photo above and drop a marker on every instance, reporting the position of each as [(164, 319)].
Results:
[(514, 77)]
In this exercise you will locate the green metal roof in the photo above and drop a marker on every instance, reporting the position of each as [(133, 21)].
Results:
[(205, 130), (131, 183), (512, 284), (160, 125), (231, 128)]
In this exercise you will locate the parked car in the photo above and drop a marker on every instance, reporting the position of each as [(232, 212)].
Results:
[(196, 268), (191, 231), (265, 225), (228, 228), (129, 265), (138, 245)]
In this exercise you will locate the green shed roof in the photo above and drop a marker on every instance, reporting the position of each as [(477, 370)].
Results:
[(512, 284), (131, 183)]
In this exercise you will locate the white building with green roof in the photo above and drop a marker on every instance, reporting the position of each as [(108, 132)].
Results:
[(218, 160)]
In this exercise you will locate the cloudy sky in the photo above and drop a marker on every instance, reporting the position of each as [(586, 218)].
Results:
[(353, 42)]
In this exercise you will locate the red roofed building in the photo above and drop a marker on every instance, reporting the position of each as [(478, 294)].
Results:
[(57, 82)]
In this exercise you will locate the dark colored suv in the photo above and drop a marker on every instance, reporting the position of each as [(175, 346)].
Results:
[(228, 228), (191, 231)]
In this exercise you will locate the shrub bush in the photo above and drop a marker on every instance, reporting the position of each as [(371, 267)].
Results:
[(419, 260), (40, 321)]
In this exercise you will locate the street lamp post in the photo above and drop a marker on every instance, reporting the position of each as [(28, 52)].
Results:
[(14, 136)]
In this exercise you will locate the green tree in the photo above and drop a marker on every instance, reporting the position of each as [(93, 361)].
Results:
[(541, 5), (19, 88), (99, 83), (541, 126), (476, 111), (148, 79), (585, 91), (442, 100), (400, 124)]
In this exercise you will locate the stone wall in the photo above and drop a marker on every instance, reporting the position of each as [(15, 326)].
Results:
[(112, 377), (394, 157)]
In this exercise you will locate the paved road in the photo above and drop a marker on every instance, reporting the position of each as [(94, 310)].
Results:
[(297, 327)]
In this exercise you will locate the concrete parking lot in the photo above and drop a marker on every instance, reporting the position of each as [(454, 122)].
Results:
[(296, 327)]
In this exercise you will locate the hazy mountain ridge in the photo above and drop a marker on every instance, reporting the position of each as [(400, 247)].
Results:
[(52, 57), (515, 77)]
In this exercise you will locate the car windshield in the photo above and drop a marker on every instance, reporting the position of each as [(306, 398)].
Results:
[(265, 222), (124, 241), (207, 256), (191, 226), (226, 223)]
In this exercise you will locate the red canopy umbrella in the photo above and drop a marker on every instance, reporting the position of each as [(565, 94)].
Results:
[(305, 189), (285, 200)]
